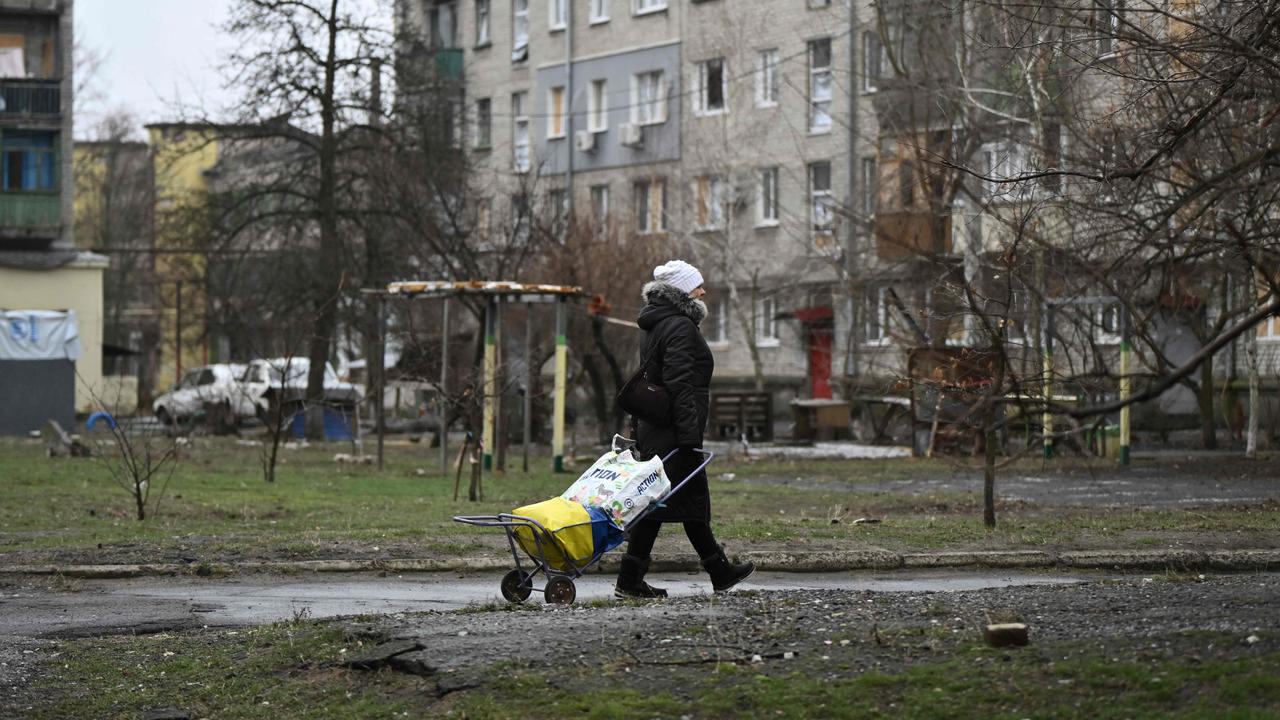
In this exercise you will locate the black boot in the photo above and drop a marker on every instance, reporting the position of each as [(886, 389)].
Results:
[(725, 574), (631, 582)]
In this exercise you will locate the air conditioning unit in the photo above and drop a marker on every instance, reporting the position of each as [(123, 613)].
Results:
[(584, 141), (630, 135)]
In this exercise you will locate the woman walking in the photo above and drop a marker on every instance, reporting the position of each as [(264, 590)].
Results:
[(681, 362)]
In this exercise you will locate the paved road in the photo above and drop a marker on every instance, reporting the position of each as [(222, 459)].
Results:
[(96, 607)]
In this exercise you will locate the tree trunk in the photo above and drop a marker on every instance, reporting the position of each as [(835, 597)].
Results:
[(597, 334), (598, 395), (330, 280), (1208, 436), (1251, 359)]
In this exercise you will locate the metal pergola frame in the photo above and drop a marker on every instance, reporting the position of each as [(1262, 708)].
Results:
[(1125, 389), (496, 293)]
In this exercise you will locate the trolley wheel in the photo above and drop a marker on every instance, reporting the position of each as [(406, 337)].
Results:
[(560, 591), (516, 587)]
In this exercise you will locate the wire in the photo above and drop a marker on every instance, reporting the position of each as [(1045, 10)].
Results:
[(732, 79)]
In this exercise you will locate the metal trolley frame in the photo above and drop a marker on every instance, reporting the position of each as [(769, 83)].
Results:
[(517, 584)]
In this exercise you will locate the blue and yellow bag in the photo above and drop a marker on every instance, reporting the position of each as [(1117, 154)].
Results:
[(575, 535)]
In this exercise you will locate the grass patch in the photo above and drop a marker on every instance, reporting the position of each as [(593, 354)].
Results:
[(218, 508)]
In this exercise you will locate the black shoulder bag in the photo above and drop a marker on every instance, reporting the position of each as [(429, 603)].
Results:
[(646, 399)]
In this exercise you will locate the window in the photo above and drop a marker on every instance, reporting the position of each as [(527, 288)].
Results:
[(870, 186), (558, 206), (767, 322), (648, 98), (906, 184), (519, 30), (767, 197), (441, 23), (484, 120), (820, 85), (651, 205), (716, 326), (710, 88), (1107, 23), (600, 208), (767, 78), (599, 11), (875, 316), (819, 3), (520, 131), (556, 11), (821, 203), (555, 113), (598, 107), (640, 7), (482, 22), (483, 221), (1109, 324), (872, 57), (521, 209), (29, 161), (710, 202), (1053, 139)]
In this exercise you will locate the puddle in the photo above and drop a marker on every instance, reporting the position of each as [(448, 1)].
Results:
[(247, 602)]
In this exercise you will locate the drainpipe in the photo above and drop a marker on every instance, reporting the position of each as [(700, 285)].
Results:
[(851, 343), (568, 114)]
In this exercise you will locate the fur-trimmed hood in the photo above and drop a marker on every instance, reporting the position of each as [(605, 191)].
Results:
[(662, 300)]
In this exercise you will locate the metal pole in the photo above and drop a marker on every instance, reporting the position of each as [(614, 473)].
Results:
[(528, 383), (177, 338), (489, 386), (442, 395), (1125, 384), (562, 366), (500, 392), (380, 400), (1047, 418)]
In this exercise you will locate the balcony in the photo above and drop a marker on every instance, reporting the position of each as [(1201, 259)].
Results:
[(30, 98), (448, 63), (30, 214), (912, 233)]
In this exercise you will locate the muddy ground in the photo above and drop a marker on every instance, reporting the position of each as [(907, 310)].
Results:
[(686, 646)]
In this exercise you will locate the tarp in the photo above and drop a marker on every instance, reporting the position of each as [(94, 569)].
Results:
[(39, 335)]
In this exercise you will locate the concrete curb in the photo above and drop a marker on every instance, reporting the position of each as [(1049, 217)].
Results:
[(1252, 559)]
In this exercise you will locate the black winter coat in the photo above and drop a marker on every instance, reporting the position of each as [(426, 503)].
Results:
[(679, 360)]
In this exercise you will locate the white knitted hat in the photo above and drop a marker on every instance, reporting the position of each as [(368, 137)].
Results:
[(680, 274)]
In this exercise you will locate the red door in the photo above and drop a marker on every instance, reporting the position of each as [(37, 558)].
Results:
[(820, 363)]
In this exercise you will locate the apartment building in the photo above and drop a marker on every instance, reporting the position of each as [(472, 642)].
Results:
[(44, 278), (725, 129)]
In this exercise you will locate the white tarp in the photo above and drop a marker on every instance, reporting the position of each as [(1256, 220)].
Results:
[(39, 335), (12, 63)]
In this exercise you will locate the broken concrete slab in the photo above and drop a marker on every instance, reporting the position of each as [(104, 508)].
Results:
[(1006, 635)]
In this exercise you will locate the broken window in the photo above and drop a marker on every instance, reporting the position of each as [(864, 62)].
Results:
[(711, 88)]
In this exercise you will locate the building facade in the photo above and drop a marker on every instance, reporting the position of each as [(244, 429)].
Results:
[(40, 266), (726, 131)]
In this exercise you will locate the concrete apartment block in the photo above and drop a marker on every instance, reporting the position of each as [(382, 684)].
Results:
[(755, 145)]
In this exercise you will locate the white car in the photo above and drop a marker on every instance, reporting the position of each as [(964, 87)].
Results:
[(201, 385), (284, 380)]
